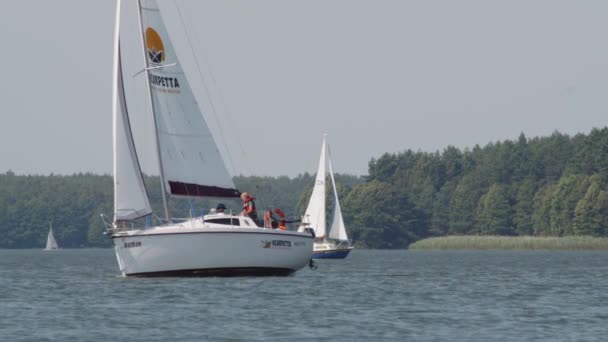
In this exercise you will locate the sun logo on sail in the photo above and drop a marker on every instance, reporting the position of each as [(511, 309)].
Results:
[(154, 46)]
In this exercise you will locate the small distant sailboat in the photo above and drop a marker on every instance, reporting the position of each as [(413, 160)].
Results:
[(336, 245), (51, 243)]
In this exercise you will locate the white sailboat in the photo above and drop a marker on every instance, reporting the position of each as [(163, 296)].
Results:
[(336, 244), (190, 166), (51, 243)]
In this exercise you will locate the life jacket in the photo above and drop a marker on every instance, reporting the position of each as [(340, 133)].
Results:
[(248, 209), (275, 215)]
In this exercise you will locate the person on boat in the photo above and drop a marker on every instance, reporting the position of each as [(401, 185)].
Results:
[(220, 208), (249, 206)]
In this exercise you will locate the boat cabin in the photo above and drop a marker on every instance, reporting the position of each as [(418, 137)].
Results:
[(223, 220)]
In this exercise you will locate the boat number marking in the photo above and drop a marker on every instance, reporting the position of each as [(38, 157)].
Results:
[(132, 244)]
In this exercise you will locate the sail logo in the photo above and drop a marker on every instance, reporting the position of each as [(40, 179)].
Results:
[(164, 82), (154, 46), (156, 54)]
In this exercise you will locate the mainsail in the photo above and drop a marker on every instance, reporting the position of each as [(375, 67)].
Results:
[(130, 197), (190, 160), (315, 212)]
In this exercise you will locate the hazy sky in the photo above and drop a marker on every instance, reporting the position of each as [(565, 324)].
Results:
[(377, 76)]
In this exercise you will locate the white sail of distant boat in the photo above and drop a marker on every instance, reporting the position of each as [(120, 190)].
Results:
[(338, 229), (334, 245), (51, 243), (315, 213), (190, 166)]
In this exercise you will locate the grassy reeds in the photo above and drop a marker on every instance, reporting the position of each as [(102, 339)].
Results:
[(473, 242)]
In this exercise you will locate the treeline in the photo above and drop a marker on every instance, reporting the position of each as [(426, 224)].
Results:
[(550, 186), (28, 204)]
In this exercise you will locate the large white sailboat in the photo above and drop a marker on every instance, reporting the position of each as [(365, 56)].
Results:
[(334, 245), (190, 166), (51, 243)]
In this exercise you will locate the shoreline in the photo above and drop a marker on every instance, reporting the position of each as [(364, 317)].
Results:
[(490, 242)]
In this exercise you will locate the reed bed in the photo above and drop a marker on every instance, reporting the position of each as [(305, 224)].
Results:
[(475, 242)]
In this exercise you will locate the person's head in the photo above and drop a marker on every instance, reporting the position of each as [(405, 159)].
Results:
[(220, 208), (244, 195)]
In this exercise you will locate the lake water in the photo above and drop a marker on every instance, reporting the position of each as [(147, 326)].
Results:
[(77, 295)]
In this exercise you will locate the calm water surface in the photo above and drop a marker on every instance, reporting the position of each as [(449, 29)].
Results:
[(77, 295)]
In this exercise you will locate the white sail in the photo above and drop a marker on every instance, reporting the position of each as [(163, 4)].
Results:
[(189, 157), (130, 197), (337, 230), (315, 212), (51, 243)]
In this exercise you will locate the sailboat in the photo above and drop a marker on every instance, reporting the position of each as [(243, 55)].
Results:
[(336, 244), (190, 166), (51, 243)]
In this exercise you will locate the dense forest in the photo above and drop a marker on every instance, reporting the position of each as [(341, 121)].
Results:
[(549, 186)]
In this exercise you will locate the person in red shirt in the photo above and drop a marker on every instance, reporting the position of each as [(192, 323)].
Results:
[(249, 206)]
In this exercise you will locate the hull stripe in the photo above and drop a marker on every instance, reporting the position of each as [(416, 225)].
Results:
[(219, 272), (331, 254), (115, 236)]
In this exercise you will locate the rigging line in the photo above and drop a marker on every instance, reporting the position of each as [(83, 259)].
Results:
[(211, 103), (223, 104)]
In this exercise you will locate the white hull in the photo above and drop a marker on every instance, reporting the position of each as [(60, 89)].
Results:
[(194, 248), (326, 245), (328, 249)]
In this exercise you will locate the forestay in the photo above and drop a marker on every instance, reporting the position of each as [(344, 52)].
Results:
[(190, 159), (130, 197)]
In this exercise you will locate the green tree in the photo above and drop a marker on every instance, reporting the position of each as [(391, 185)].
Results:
[(463, 204), (380, 216), (494, 212), (541, 214), (569, 190), (590, 214), (523, 206)]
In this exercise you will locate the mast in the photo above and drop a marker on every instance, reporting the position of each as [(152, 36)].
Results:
[(146, 65)]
